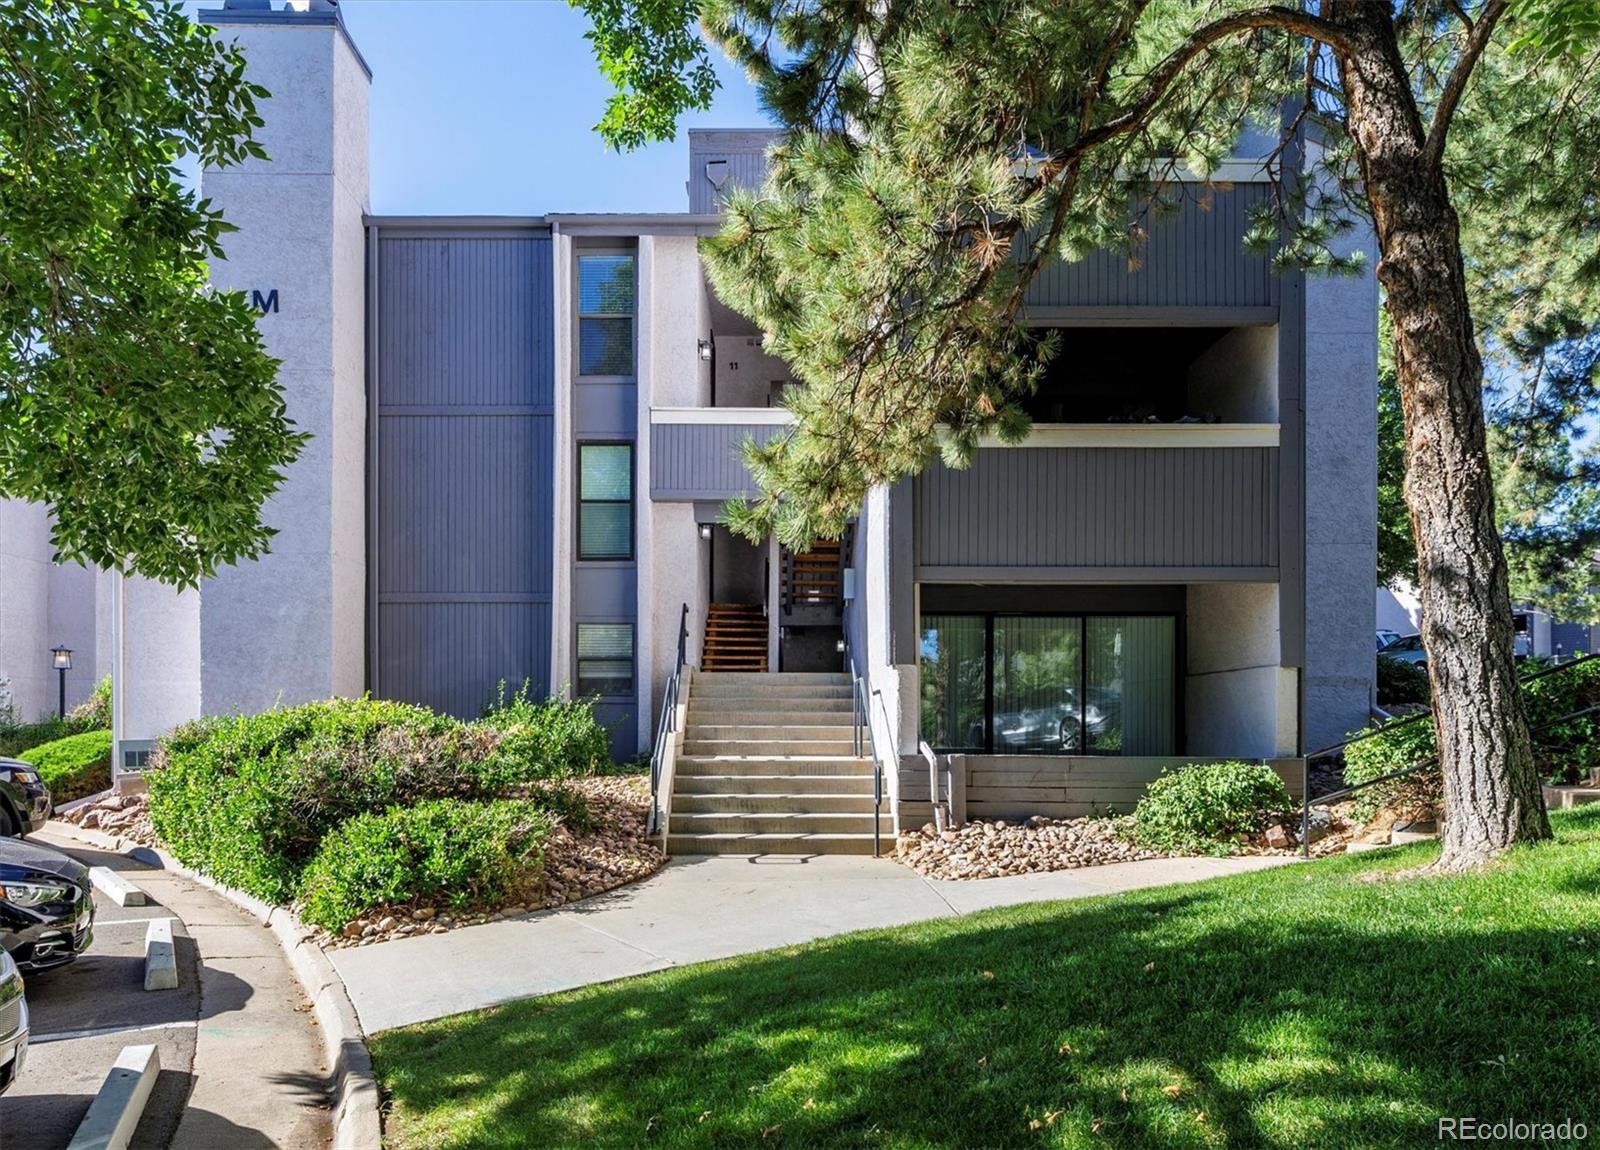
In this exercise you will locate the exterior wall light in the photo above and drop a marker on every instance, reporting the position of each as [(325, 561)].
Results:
[(705, 349), (61, 660), (838, 645)]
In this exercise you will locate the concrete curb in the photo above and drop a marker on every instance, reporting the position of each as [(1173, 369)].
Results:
[(160, 960), (114, 1114), (118, 889), (357, 1125)]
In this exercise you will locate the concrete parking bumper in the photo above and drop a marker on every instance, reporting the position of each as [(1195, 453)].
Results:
[(115, 1112)]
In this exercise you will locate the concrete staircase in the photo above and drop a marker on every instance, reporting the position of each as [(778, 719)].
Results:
[(768, 766)]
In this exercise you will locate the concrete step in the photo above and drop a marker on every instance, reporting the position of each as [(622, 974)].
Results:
[(698, 730), (734, 843), (793, 720), (693, 786), (773, 765), (780, 746), (782, 823), (745, 707), (769, 802), (780, 678)]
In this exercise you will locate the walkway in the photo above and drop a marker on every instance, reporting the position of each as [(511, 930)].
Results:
[(699, 908)]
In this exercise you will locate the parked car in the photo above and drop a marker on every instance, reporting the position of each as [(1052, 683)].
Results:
[(13, 1023), (46, 905), (1386, 637), (1406, 649), (24, 799), (1053, 727)]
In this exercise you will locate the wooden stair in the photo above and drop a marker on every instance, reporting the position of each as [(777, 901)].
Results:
[(735, 639), (813, 576)]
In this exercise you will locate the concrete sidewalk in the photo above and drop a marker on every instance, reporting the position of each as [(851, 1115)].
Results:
[(252, 1073), (699, 908)]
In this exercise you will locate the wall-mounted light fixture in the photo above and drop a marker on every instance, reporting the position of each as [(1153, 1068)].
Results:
[(705, 531), (838, 645), (705, 349)]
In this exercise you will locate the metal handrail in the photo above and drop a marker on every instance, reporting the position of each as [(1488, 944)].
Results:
[(1404, 720), (668, 723), (1346, 792), (861, 717)]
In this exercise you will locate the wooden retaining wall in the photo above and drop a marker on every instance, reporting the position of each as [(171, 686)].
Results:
[(1016, 786)]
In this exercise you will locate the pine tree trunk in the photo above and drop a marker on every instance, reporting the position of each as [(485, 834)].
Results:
[(1492, 794)]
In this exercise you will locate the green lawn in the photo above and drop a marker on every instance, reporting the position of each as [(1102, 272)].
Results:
[(1291, 1008)]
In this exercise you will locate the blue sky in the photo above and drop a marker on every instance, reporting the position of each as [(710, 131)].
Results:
[(488, 107)]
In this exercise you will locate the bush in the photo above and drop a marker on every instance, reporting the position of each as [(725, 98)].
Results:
[(1401, 682), (462, 852), (1567, 752), (94, 713), (1203, 808), (549, 739), (16, 738), (248, 799), (75, 766), (1563, 753), (1415, 796)]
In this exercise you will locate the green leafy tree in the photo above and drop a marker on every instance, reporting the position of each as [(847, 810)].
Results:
[(136, 403), (940, 153)]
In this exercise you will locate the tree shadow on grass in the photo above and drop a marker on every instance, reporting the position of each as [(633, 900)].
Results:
[(1284, 1009)]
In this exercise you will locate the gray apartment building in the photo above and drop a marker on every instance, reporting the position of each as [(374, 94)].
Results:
[(525, 429)]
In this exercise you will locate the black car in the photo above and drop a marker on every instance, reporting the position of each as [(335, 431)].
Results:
[(46, 905), (24, 799)]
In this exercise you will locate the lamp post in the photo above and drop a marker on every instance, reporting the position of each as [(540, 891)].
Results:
[(61, 660)]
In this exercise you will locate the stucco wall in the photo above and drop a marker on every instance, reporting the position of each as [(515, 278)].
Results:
[(290, 626), (25, 607), (1341, 499), (1236, 378), (1238, 700)]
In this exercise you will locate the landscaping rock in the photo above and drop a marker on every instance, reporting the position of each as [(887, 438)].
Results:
[(1278, 838)]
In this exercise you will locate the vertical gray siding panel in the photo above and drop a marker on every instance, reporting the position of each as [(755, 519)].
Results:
[(1194, 257), (1212, 507), (691, 461), (463, 465)]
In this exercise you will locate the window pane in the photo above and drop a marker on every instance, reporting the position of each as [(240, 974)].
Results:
[(1129, 701), (605, 658), (953, 658), (605, 471), (605, 531), (604, 677), (605, 285), (605, 347), (605, 640), (1037, 663)]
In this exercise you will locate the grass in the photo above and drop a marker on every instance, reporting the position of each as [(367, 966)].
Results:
[(1296, 1007)]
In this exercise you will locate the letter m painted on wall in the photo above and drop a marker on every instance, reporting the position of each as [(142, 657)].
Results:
[(264, 303)]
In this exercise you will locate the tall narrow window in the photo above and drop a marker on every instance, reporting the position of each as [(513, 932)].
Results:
[(605, 501), (605, 659), (1128, 673), (605, 314), (955, 659)]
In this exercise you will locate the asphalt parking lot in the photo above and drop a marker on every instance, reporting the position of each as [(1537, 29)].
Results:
[(84, 1013)]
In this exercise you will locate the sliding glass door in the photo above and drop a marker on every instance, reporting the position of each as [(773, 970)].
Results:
[(1050, 684)]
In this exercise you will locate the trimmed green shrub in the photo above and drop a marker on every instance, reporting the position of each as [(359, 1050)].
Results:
[(1401, 682), (15, 738), (458, 852), (549, 738), (73, 767), (248, 799), (1203, 808)]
